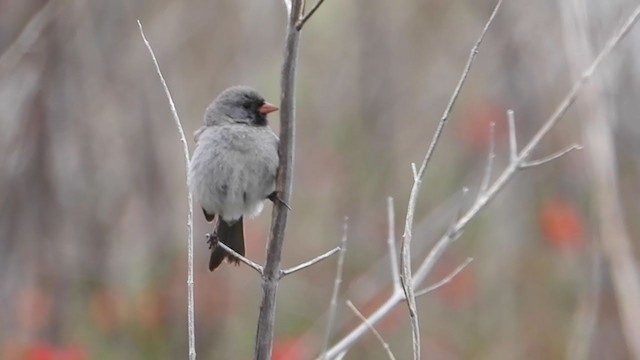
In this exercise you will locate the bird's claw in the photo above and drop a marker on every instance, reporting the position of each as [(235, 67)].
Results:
[(275, 197), (212, 240)]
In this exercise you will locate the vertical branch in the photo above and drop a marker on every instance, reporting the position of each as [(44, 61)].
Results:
[(405, 252), (271, 276), (185, 149), (336, 287)]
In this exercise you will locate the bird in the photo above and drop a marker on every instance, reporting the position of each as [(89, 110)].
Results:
[(233, 167)]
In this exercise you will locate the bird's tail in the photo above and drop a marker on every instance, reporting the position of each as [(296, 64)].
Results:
[(233, 237)]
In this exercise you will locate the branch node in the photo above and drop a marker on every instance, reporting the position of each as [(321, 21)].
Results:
[(414, 171), (306, 17)]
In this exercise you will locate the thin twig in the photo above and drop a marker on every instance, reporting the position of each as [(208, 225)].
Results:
[(185, 149), (463, 195), (284, 185), (308, 16), (414, 170), (336, 288), (233, 253), (305, 265), (513, 140), (546, 159), (427, 265), (391, 242), (446, 280), (375, 332), (492, 154), (405, 253)]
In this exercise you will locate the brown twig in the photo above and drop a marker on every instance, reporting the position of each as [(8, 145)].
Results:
[(308, 16), (284, 178)]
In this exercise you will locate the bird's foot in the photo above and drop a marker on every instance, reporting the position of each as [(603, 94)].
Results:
[(275, 197), (212, 239)]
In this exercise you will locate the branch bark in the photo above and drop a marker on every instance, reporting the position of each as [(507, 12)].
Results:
[(271, 275)]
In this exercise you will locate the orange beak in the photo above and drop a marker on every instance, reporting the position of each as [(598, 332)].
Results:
[(267, 108)]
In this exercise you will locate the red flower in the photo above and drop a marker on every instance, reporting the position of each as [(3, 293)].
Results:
[(289, 349), (43, 351), (562, 226)]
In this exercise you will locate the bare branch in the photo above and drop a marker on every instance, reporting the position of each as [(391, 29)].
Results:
[(407, 287), (336, 288), (446, 280), (375, 332), (214, 242), (305, 265), (284, 185), (586, 75), (513, 141), (185, 150), (456, 92), (405, 253), (304, 19), (546, 159), (442, 244), (414, 171), (427, 265), (391, 242), (489, 166)]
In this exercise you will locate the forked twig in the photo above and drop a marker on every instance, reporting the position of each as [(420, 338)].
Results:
[(405, 253), (481, 201), (308, 16)]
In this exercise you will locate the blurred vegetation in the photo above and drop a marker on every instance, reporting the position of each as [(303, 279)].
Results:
[(93, 197)]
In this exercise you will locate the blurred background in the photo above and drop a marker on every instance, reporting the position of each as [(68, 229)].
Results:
[(93, 197)]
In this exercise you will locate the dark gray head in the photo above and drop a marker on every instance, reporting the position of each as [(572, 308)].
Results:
[(239, 104)]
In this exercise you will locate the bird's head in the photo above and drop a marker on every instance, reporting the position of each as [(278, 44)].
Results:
[(239, 104)]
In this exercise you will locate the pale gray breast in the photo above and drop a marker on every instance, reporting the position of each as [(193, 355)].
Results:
[(233, 167)]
